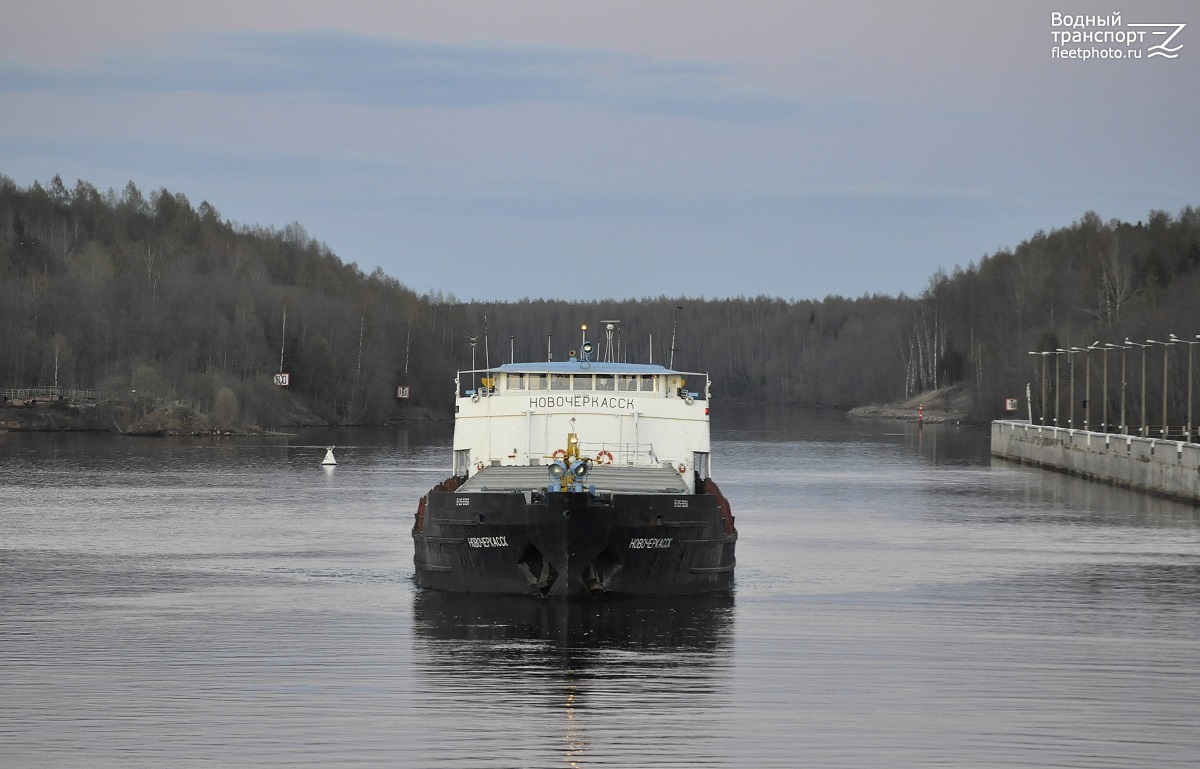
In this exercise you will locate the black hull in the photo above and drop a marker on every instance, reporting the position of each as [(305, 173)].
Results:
[(693, 623), (574, 545)]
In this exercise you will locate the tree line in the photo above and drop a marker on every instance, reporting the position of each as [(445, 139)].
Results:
[(127, 291)]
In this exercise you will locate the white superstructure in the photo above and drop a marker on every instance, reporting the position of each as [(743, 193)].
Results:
[(627, 415)]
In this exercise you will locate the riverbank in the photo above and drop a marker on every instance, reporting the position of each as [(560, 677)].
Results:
[(113, 418), (126, 419), (949, 405)]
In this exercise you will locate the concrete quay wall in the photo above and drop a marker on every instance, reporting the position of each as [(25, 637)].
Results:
[(1168, 468)]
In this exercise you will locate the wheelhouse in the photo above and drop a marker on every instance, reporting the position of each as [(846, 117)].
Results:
[(629, 415)]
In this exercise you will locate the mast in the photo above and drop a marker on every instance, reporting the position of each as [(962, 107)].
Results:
[(282, 345), (675, 325), (609, 327)]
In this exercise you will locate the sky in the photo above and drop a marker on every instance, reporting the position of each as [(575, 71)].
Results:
[(503, 149)]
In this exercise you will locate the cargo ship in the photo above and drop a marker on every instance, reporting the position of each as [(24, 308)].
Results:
[(578, 479)]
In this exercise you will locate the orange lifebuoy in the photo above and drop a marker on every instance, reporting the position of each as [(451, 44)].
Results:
[(559, 454), (478, 466), (604, 458), (682, 468)]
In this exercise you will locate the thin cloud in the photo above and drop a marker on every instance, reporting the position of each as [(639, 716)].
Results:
[(366, 180), (345, 68)]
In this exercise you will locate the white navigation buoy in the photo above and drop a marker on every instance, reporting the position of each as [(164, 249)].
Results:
[(328, 461)]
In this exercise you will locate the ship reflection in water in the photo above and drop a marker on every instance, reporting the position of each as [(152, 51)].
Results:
[(586, 675)]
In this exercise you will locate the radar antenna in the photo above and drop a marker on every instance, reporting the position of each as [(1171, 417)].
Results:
[(609, 327)]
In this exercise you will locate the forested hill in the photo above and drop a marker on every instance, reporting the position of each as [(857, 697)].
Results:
[(127, 291)]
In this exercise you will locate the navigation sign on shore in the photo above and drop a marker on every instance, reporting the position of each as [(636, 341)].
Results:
[(281, 379), (402, 391)]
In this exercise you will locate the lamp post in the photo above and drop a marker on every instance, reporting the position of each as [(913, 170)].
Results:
[(1144, 431), (1087, 385), (1124, 383), (1057, 383), (1071, 392), (1043, 354), (1187, 430), (1031, 352), (1071, 361), (1104, 349), (1165, 346)]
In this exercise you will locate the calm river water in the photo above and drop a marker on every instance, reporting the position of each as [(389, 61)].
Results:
[(902, 601)]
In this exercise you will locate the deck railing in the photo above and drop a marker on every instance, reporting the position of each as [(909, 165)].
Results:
[(621, 454)]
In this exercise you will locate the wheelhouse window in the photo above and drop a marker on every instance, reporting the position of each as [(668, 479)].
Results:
[(516, 381), (560, 381), (605, 382), (537, 381), (647, 383), (583, 382), (628, 382), (478, 382)]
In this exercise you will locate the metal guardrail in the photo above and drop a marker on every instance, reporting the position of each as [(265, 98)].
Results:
[(71, 395), (1149, 431), (1073, 434), (623, 454)]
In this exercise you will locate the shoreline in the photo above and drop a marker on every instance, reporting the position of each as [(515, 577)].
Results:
[(170, 421), (950, 405), (945, 405)]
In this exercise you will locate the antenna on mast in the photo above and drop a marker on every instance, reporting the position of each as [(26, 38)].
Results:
[(549, 355), (487, 362), (674, 325)]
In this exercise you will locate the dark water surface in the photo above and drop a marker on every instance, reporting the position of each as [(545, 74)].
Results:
[(902, 601)]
